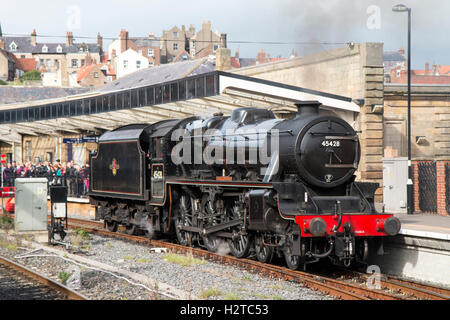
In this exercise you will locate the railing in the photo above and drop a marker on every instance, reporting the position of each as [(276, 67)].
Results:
[(427, 187)]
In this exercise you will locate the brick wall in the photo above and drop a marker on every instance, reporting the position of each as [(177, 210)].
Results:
[(441, 187)]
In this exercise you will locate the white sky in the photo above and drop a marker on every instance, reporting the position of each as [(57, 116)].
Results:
[(251, 20)]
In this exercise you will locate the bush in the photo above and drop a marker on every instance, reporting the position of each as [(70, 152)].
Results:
[(3, 83), (31, 75)]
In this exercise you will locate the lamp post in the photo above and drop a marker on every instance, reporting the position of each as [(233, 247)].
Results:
[(409, 186)]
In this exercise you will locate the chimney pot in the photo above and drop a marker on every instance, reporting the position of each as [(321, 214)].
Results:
[(223, 40), (33, 38), (123, 40), (99, 40), (69, 39)]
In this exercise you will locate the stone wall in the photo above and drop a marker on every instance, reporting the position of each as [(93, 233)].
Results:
[(43, 146), (354, 71), (430, 121)]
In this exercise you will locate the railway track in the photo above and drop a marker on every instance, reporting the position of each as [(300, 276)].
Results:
[(409, 289), (353, 286), (17, 282)]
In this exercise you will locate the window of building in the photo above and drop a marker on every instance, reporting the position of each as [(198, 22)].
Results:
[(216, 47), (22, 56), (45, 49), (83, 62), (175, 34), (138, 64), (125, 64), (13, 46), (74, 63), (151, 63), (140, 52), (150, 52), (95, 74), (59, 49), (175, 46)]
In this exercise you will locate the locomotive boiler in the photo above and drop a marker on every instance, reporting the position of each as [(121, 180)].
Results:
[(253, 183)]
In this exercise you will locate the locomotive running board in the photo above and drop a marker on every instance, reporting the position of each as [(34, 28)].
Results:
[(213, 229), (222, 183)]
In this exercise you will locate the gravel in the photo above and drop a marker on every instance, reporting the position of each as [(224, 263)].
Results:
[(201, 279)]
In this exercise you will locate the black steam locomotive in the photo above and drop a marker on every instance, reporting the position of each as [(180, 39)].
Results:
[(250, 182)]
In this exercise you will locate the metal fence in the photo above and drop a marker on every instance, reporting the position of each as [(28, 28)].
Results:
[(427, 187)]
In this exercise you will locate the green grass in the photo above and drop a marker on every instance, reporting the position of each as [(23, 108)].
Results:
[(276, 287), (182, 260), (6, 222), (247, 278), (63, 276), (128, 258), (83, 234), (232, 296), (211, 292), (143, 260)]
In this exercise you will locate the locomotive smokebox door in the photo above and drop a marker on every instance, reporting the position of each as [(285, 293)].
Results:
[(58, 200)]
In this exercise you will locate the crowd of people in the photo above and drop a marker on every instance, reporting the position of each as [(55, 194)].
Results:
[(74, 176)]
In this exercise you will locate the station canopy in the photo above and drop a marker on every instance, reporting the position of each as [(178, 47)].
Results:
[(176, 90)]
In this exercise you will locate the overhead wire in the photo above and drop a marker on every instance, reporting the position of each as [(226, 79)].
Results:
[(198, 41)]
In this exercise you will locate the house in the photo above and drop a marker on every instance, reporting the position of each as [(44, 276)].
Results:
[(437, 75), (24, 65), (204, 39), (7, 66), (128, 62), (61, 60), (393, 60), (94, 75), (148, 47), (198, 44), (182, 56)]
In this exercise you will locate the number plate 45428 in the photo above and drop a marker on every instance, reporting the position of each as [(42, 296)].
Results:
[(331, 143)]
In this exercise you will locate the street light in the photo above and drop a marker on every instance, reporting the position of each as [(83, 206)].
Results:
[(409, 193)]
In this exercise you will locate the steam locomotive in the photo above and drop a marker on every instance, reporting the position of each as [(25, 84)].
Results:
[(250, 182)]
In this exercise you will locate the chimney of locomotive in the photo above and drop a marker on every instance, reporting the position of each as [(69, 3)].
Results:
[(307, 107)]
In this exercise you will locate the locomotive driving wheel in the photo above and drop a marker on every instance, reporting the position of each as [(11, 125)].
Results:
[(212, 209), (241, 241), (263, 252), (293, 262), (183, 218), (112, 225), (131, 229)]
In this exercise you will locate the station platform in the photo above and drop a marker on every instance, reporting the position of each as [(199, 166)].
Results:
[(425, 225), (420, 252)]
